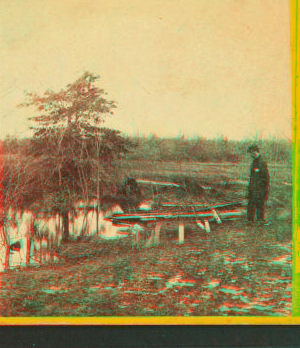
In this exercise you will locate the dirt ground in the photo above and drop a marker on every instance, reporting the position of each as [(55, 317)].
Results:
[(235, 270)]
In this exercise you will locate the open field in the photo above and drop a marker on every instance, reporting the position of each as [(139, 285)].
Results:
[(237, 269), (236, 175)]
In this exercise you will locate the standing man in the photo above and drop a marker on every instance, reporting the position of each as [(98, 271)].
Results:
[(258, 188)]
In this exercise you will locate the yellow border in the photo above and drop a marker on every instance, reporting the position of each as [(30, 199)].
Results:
[(150, 321), (295, 320)]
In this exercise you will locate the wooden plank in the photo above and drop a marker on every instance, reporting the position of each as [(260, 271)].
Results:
[(155, 218), (200, 224), (161, 183), (170, 215), (216, 216), (204, 206)]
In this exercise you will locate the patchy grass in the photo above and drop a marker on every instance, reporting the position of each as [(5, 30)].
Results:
[(235, 270)]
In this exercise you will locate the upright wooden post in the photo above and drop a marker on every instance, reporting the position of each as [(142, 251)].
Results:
[(137, 237), (150, 240), (157, 232), (181, 233), (207, 228)]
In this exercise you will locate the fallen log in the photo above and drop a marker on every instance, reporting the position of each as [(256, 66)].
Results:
[(160, 183)]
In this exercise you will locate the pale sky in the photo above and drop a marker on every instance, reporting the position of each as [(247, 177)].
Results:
[(193, 67)]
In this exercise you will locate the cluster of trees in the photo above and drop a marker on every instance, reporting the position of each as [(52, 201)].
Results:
[(70, 156)]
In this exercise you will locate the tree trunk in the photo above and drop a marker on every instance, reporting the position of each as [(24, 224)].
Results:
[(28, 247), (97, 217), (98, 199), (29, 240), (65, 218), (7, 254)]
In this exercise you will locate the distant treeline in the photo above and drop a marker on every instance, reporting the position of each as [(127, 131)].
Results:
[(201, 149)]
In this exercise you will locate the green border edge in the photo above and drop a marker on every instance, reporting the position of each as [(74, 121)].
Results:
[(294, 11)]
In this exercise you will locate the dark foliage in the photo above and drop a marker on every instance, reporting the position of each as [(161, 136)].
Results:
[(128, 197)]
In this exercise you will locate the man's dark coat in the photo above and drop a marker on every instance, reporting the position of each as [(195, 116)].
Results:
[(258, 188)]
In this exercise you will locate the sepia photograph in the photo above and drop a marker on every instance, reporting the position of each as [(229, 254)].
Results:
[(146, 159)]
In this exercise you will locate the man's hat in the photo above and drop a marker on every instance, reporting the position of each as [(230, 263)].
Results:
[(253, 148)]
